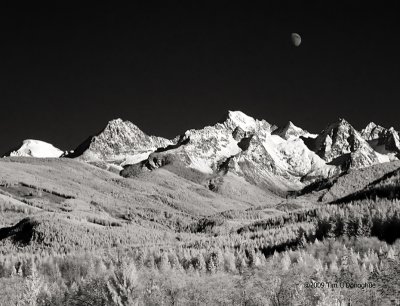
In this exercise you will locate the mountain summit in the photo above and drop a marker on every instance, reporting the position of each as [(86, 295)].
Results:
[(382, 140), (340, 144), (372, 131), (120, 142), (292, 131), (36, 148)]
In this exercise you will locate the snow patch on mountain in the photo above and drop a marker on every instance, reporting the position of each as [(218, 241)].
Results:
[(37, 148)]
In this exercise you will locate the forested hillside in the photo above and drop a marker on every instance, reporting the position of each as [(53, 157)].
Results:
[(73, 234)]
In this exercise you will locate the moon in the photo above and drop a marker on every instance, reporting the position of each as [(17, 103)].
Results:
[(296, 39)]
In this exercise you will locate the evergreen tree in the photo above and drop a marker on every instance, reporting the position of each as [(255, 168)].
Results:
[(252, 258), (211, 265), (19, 269), (199, 263), (150, 262), (370, 268), (334, 267), (359, 228), (122, 284), (302, 240), (332, 229), (164, 265), (229, 260), (13, 271), (390, 254), (174, 260), (33, 286), (242, 265), (285, 261)]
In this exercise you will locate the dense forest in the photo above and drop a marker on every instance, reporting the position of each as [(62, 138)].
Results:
[(362, 271), (333, 255)]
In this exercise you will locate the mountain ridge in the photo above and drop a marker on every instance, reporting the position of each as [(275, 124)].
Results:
[(278, 158)]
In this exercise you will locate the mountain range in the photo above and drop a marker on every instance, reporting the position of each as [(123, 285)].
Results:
[(238, 148)]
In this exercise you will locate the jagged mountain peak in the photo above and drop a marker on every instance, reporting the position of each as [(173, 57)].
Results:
[(371, 125), (119, 124), (235, 119), (372, 131), (391, 140), (341, 122), (341, 144), (382, 140), (120, 142), (337, 139), (239, 119), (290, 130), (116, 121), (291, 126)]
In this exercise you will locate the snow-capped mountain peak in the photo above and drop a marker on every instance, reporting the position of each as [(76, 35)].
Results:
[(240, 119), (290, 130), (37, 148)]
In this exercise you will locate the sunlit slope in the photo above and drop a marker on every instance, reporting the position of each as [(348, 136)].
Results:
[(63, 182), (349, 182), (70, 201)]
